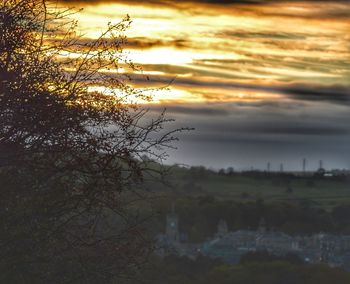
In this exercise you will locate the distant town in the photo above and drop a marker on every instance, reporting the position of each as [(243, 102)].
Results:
[(333, 250)]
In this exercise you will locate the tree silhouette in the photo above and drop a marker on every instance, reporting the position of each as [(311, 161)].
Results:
[(75, 147)]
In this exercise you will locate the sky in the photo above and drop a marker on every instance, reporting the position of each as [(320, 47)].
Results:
[(260, 81)]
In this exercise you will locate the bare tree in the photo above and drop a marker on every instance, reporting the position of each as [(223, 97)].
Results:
[(75, 147)]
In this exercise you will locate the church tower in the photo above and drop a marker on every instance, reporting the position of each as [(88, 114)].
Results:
[(222, 229), (262, 226), (172, 226)]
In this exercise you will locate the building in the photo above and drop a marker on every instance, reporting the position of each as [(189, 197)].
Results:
[(230, 246)]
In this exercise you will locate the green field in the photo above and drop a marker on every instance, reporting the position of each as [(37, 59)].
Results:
[(325, 192)]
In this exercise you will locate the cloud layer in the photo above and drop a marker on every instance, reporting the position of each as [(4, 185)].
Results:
[(259, 80)]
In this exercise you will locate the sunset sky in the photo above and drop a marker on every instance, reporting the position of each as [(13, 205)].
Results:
[(260, 81)]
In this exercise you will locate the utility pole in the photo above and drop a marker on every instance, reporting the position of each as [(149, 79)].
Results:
[(268, 167), (304, 165), (321, 164)]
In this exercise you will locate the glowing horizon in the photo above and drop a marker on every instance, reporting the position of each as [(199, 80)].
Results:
[(242, 44)]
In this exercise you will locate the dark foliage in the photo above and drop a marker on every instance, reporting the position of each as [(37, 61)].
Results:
[(265, 256), (199, 217), (173, 270), (71, 156)]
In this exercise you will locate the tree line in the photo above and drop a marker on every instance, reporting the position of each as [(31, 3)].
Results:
[(199, 217)]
